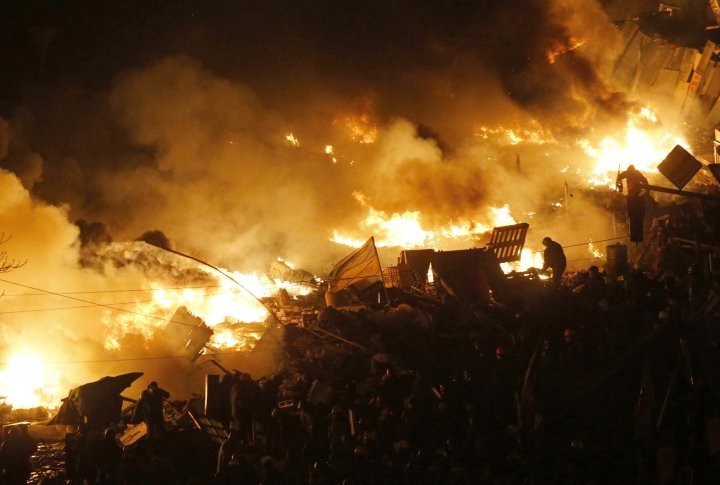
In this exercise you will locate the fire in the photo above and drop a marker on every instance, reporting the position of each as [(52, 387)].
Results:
[(361, 128), (558, 50), (515, 136), (528, 259), (406, 229), (235, 314), (596, 253), (292, 140), (26, 382), (226, 303), (361, 125), (642, 142)]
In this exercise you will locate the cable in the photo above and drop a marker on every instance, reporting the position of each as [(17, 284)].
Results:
[(116, 291), (92, 303), (594, 242), (266, 284), (161, 357)]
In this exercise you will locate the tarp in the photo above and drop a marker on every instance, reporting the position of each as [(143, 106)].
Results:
[(357, 266), (98, 401)]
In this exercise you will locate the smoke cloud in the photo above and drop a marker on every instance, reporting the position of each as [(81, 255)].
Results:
[(186, 139)]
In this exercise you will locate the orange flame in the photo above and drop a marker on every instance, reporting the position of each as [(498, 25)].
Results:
[(642, 142), (406, 230)]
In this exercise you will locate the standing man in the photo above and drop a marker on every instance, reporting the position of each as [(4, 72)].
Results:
[(554, 258), (149, 408), (635, 203)]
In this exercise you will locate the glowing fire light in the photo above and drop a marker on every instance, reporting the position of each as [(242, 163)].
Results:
[(560, 49), (594, 251), (406, 230), (515, 136), (640, 145), (228, 303), (362, 128), (528, 259), (292, 140), (329, 149), (27, 383)]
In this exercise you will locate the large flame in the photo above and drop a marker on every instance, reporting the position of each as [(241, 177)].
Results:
[(406, 230), (233, 311), (226, 303), (26, 382), (643, 142)]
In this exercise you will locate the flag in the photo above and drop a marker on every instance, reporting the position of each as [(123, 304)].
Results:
[(356, 266)]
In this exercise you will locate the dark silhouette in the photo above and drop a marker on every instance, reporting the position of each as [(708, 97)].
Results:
[(15, 455), (635, 203), (554, 258), (150, 409), (635, 181)]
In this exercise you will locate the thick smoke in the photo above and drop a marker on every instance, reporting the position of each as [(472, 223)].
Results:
[(552, 61), (67, 331), (186, 143), (194, 144)]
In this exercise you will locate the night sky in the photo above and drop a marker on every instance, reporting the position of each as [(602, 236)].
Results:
[(351, 45)]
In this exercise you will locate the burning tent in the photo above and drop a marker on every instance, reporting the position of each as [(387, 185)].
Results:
[(97, 403)]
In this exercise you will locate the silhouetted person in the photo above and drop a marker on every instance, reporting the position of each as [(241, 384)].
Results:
[(635, 181), (15, 455), (635, 204), (596, 286), (554, 258), (150, 409)]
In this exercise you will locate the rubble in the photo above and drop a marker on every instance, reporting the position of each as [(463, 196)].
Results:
[(441, 382)]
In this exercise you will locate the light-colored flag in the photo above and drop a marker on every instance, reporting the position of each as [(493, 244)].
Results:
[(360, 264)]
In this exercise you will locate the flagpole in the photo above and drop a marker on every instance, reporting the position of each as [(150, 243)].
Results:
[(382, 279)]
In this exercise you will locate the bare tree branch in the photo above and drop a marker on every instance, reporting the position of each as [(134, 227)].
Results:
[(7, 265)]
